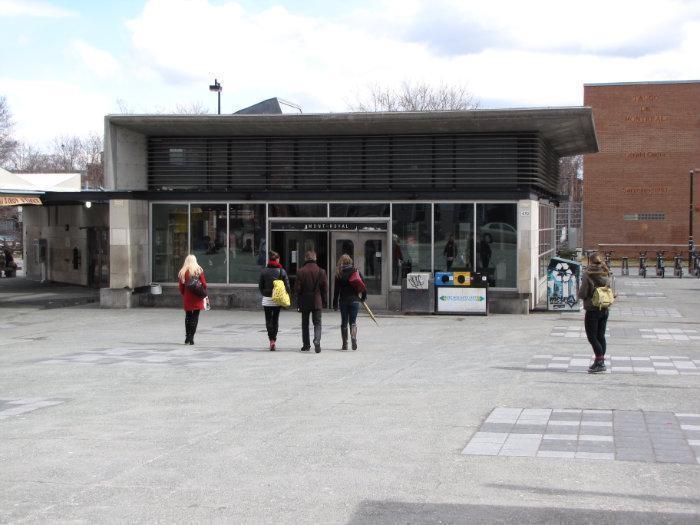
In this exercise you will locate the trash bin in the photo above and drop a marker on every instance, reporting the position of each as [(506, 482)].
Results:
[(563, 279), (417, 295), (462, 293)]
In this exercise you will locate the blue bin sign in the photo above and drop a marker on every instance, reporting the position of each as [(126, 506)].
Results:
[(563, 281)]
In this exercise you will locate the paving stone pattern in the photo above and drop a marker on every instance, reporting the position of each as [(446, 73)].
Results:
[(625, 435), (672, 335), (655, 364), (13, 407), (643, 295), (641, 311), (143, 355)]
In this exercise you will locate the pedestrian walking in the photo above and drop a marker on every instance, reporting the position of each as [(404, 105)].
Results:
[(192, 285), (272, 272), (597, 275), (346, 298), (311, 290)]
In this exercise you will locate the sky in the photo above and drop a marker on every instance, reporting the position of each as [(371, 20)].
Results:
[(65, 64)]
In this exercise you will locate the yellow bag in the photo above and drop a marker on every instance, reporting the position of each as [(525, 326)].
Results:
[(603, 297), (279, 293)]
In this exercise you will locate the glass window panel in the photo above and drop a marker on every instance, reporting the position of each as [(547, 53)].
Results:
[(497, 242), (169, 234), (345, 247), (360, 210), (208, 239), (298, 210), (247, 246), (373, 267), (410, 241), (454, 237)]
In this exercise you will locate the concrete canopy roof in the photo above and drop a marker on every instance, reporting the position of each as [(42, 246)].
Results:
[(570, 131)]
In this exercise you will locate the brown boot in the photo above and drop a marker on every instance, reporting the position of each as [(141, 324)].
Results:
[(344, 335)]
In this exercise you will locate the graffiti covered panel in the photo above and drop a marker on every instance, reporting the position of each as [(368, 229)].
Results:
[(563, 279)]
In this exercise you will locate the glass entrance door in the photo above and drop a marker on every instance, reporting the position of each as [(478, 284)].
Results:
[(367, 250)]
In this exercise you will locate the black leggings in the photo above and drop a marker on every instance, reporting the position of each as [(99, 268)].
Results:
[(191, 320), (595, 323), (272, 318)]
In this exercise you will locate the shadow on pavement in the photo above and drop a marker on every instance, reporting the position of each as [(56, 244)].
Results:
[(395, 512), (19, 292)]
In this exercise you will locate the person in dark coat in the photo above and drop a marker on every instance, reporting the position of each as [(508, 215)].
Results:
[(345, 297), (595, 322), (311, 290), (192, 304), (268, 275), (449, 252)]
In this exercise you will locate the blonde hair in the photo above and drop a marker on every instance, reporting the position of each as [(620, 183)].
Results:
[(190, 265), (345, 260)]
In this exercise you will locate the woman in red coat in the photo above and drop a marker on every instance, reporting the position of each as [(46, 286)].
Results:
[(191, 303)]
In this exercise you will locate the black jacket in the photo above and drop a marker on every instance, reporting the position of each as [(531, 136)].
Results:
[(343, 291), (270, 274)]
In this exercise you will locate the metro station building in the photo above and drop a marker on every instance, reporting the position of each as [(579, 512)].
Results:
[(391, 189)]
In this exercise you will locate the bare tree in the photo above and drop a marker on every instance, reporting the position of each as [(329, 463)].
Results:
[(416, 97), (7, 144), (571, 177), (191, 108), (183, 108), (28, 159)]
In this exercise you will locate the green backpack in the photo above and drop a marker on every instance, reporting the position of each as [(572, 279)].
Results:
[(603, 297)]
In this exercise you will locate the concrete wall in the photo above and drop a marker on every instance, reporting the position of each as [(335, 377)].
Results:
[(528, 237), (64, 228), (125, 159), (128, 239)]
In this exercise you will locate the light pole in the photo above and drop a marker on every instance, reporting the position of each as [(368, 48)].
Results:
[(217, 87)]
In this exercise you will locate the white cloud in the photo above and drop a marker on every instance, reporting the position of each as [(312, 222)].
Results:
[(44, 109), (504, 53), (32, 9), (521, 53), (98, 61)]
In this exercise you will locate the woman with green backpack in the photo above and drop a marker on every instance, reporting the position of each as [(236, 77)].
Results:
[(597, 297), (271, 273)]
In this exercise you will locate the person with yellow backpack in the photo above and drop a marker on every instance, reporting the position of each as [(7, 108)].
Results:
[(597, 297), (274, 287)]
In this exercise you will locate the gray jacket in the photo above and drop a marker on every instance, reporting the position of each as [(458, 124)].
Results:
[(594, 276)]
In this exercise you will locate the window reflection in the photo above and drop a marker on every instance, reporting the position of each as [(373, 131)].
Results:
[(410, 245), (208, 239), (298, 210), (247, 247), (169, 236), (497, 242), (454, 237)]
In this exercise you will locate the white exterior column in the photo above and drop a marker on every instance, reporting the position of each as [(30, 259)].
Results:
[(528, 246)]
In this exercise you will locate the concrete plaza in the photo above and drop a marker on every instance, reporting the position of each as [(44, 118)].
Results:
[(105, 416)]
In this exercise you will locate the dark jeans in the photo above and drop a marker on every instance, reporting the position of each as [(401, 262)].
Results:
[(272, 319), (595, 323), (191, 320), (316, 319), (348, 313)]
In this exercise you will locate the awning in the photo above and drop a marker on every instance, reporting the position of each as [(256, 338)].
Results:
[(18, 200)]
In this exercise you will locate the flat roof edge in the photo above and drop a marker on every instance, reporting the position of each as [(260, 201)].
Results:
[(643, 83)]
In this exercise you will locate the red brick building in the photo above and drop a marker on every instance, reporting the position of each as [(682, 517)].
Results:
[(637, 188)]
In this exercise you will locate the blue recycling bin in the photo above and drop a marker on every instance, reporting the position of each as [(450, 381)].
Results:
[(563, 281), (462, 293)]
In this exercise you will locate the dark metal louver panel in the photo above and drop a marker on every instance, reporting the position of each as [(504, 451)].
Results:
[(367, 163)]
